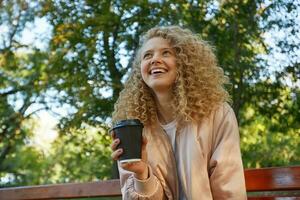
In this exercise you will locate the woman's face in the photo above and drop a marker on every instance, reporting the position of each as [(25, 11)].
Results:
[(158, 65)]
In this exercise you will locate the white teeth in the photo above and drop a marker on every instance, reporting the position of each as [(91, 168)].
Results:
[(160, 70)]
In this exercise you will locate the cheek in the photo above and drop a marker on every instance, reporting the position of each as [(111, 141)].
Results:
[(144, 69), (174, 63)]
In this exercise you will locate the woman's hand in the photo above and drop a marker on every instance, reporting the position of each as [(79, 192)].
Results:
[(140, 168)]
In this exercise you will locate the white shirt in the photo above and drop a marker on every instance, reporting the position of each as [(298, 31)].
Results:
[(170, 129)]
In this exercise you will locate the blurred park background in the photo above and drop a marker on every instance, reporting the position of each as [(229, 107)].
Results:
[(63, 63)]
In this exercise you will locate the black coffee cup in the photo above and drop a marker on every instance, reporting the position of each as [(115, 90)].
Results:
[(129, 132)]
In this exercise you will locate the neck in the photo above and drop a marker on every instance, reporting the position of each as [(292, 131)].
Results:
[(164, 106)]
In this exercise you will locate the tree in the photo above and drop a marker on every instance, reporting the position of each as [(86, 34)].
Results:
[(275, 100), (90, 41), (22, 84)]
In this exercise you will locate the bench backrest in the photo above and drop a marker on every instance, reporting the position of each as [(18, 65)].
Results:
[(108, 188), (280, 183)]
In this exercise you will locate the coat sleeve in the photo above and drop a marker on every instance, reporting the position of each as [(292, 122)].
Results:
[(133, 188), (225, 165)]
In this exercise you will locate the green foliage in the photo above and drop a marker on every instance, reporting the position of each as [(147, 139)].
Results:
[(268, 141), (26, 166), (87, 46), (81, 155), (21, 84)]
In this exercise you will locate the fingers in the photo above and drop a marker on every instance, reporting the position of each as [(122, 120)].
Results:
[(127, 165), (131, 166), (113, 135), (116, 152), (114, 144), (115, 155), (140, 169)]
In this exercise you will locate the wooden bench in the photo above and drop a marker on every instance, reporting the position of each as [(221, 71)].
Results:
[(278, 183)]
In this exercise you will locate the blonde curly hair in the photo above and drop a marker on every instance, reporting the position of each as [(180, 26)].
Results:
[(199, 87)]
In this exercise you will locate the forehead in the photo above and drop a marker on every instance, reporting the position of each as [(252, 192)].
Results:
[(156, 43)]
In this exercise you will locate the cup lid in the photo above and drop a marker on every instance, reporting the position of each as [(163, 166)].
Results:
[(127, 122)]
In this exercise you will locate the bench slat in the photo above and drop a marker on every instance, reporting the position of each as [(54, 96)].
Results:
[(273, 179), (107, 188), (272, 198)]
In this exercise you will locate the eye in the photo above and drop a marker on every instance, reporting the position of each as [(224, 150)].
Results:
[(147, 55), (167, 53)]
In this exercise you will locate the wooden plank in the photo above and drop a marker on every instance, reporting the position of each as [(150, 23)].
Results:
[(273, 198), (277, 195), (273, 179), (107, 188)]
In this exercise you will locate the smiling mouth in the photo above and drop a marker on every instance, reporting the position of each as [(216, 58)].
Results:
[(157, 71)]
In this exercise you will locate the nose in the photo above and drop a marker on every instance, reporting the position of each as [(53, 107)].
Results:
[(155, 59)]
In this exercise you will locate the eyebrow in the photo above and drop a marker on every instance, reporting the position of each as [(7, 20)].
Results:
[(151, 50)]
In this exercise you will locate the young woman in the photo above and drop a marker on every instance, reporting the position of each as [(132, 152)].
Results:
[(191, 141)]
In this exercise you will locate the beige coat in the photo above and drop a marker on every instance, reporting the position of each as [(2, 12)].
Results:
[(209, 160)]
